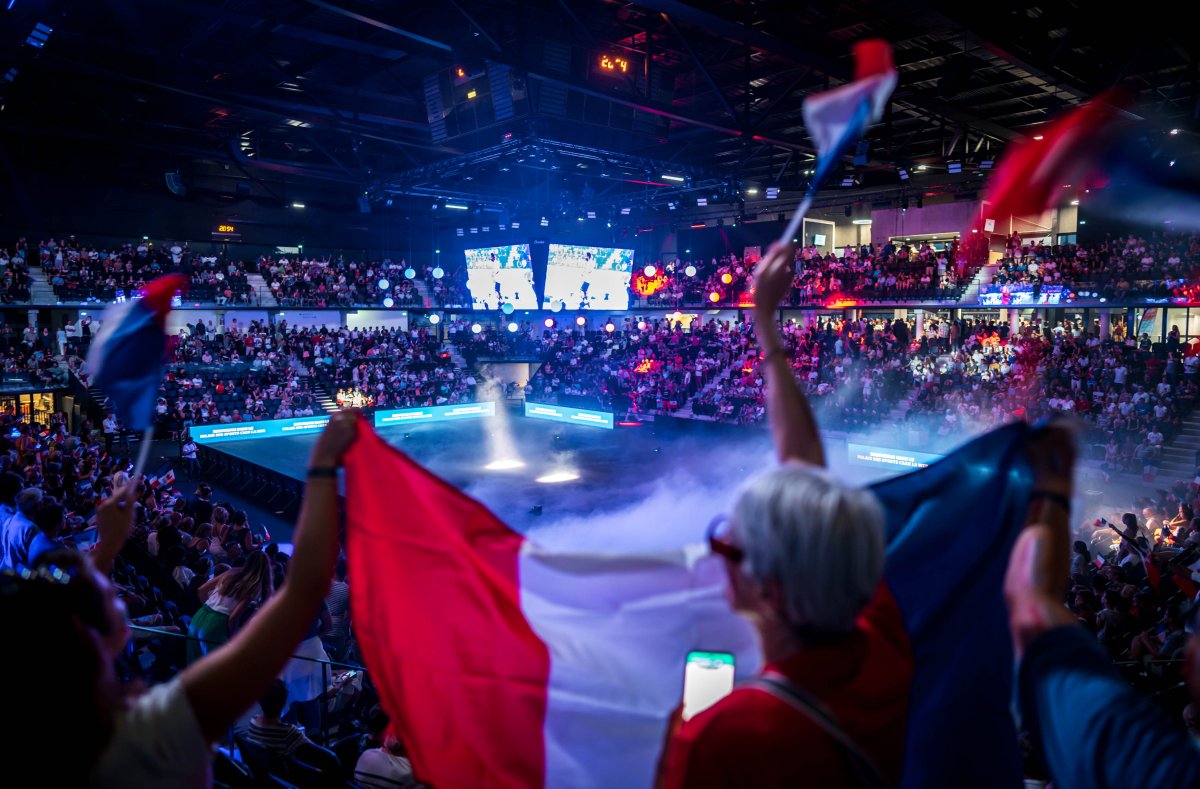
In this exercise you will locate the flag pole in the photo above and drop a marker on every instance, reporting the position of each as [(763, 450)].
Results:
[(797, 218), (143, 451)]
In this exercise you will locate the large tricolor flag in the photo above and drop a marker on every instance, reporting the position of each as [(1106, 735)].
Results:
[(126, 356), (506, 665)]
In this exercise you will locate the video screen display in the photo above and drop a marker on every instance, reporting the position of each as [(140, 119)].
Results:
[(501, 275), (1020, 295), (587, 278)]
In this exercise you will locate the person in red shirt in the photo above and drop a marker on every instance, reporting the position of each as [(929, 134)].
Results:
[(805, 556)]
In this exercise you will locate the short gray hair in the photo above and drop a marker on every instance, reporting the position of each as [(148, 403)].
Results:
[(820, 539)]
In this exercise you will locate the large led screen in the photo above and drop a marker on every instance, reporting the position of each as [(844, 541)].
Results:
[(587, 278), (497, 276)]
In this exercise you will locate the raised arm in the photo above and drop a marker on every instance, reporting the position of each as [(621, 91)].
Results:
[(1036, 582), (792, 424), (1072, 699), (222, 685)]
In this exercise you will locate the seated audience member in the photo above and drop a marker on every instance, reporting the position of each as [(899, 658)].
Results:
[(805, 556), (385, 768), (1088, 725), (162, 738), (286, 739)]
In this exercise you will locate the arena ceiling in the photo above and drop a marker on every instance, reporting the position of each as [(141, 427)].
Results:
[(566, 105)]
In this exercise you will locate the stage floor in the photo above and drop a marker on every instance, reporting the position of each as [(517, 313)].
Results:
[(668, 477)]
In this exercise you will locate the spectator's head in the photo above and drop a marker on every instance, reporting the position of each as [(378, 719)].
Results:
[(1081, 548), (813, 550), (274, 700), (254, 580), (28, 501), (80, 626)]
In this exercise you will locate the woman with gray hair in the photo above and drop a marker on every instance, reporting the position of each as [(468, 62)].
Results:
[(805, 556)]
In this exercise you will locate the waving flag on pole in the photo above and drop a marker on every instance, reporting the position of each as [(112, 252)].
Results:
[(838, 118), (1033, 173), (126, 357)]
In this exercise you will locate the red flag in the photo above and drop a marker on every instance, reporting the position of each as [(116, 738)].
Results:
[(1033, 173), (437, 612)]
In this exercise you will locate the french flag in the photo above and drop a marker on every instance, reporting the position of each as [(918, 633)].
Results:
[(838, 117), (503, 664), (126, 356)]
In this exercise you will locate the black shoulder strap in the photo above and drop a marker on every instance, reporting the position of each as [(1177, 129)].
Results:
[(866, 771)]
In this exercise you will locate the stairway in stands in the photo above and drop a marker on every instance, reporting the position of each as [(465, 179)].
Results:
[(685, 411), (40, 290), (423, 291), (1179, 457), (984, 276), (259, 286), (323, 398)]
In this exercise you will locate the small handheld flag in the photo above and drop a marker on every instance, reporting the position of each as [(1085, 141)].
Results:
[(126, 358), (837, 118)]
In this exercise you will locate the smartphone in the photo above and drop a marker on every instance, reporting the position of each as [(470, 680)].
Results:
[(707, 678)]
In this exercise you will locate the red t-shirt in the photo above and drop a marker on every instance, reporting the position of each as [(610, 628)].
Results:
[(753, 739)]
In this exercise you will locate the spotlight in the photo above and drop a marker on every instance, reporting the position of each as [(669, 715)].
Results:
[(954, 168), (512, 326), (610, 327), (1174, 131), (903, 172), (297, 205), (557, 476), (456, 206), (545, 222), (508, 308), (690, 271), (650, 271), (701, 201), (625, 211), (714, 297), (435, 319), (438, 273), (515, 225), (389, 302), (848, 180), (410, 273), (676, 178), (581, 321), (548, 323), (476, 328), (1038, 137), (726, 278), (591, 214), (772, 192), (641, 325), (987, 164), (504, 464), (384, 284), (751, 191)]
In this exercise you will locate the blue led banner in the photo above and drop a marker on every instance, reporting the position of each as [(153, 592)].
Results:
[(572, 416), (268, 428), (887, 458), (435, 413)]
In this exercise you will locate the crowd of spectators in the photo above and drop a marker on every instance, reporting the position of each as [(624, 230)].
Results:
[(640, 366), (80, 273), (851, 371), (1161, 265), (882, 272), (312, 282), (260, 371)]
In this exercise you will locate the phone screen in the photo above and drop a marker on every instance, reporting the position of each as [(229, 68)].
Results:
[(707, 678)]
